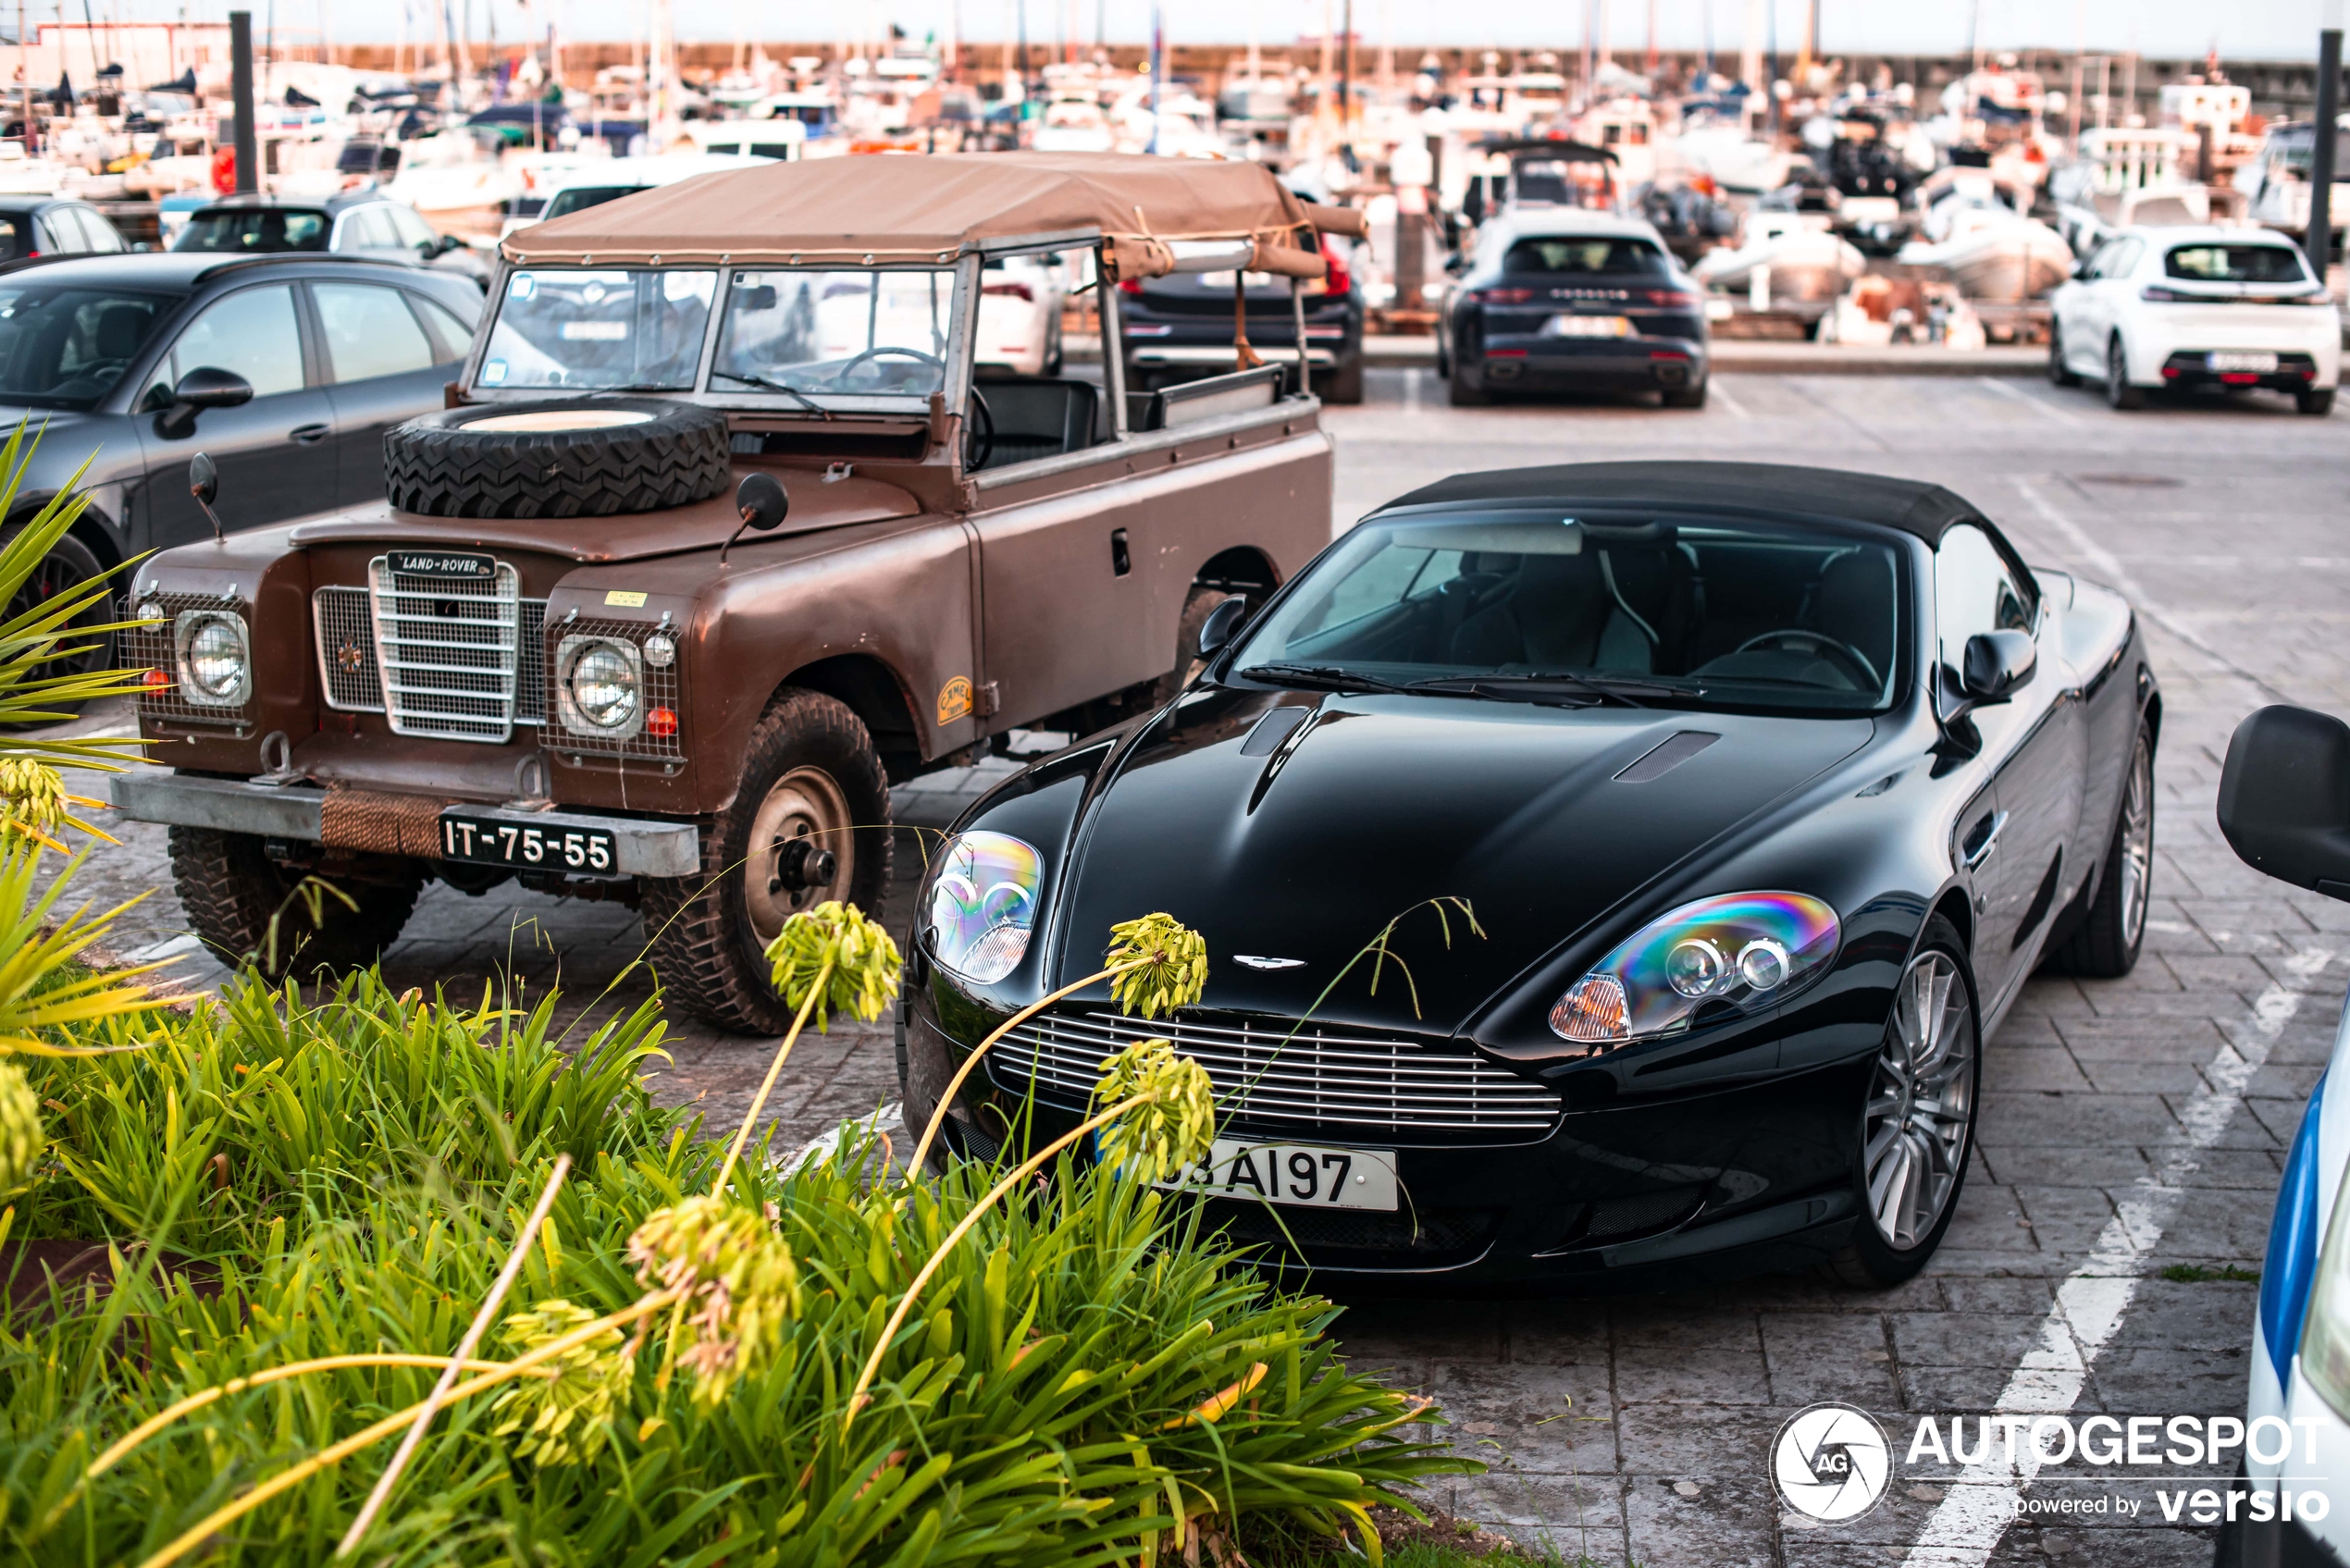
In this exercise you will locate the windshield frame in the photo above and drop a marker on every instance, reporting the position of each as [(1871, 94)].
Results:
[(1912, 566), (745, 400)]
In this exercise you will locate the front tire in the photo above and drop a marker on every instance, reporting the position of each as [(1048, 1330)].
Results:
[(809, 823), (2119, 393), (2059, 373), (2105, 945), (1917, 1125), (232, 890)]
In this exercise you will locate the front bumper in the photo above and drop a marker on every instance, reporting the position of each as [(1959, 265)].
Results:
[(1535, 364), (640, 847), (1747, 1177)]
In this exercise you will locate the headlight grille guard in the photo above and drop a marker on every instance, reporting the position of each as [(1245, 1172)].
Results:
[(156, 647), (659, 691)]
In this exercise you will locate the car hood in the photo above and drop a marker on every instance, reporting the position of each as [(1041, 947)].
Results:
[(1373, 805), (634, 535)]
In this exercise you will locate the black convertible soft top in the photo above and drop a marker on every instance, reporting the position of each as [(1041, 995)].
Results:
[(1925, 511)]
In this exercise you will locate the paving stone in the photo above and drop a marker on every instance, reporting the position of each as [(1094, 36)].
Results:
[(1730, 1374), (1727, 1525), (1815, 1356), (1965, 1337)]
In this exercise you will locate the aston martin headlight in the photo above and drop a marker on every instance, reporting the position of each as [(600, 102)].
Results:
[(601, 683), (1719, 956), (214, 658), (983, 905)]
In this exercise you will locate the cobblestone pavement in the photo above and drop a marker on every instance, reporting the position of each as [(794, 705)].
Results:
[(2127, 1125)]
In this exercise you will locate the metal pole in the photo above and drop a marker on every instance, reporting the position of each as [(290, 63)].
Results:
[(1347, 67), (240, 94), (2322, 173)]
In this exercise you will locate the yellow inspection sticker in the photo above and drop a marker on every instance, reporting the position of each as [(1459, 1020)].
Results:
[(623, 597)]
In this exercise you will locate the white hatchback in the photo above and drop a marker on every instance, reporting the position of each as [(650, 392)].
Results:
[(2201, 306)]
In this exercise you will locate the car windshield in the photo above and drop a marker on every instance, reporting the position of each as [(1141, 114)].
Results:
[(254, 231), (1658, 610), (1585, 255), (600, 330), (579, 198), (2236, 263), (863, 333), (65, 347)]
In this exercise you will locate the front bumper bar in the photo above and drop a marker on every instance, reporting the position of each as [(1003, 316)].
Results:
[(640, 847)]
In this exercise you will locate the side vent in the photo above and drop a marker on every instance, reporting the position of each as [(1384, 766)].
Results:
[(1666, 756)]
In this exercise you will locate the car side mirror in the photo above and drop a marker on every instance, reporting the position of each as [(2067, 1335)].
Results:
[(1223, 624), (761, 502), (207, 385), (445, 243), (2285, 797), (204, 483), (1996, 663), (1455, 265)]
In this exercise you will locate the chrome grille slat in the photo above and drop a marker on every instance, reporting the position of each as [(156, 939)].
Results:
[(1287, 1075), (344, 620)]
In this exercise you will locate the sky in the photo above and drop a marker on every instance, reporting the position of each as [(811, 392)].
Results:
[(2248, 29)]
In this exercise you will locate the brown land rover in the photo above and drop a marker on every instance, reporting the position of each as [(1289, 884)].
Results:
[(720, 536)]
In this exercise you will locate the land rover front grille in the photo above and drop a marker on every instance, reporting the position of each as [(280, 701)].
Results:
[(1277, 1074), (345, 621)]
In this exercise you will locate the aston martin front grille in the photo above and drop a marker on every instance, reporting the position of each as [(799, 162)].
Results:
[(1283, 1076)]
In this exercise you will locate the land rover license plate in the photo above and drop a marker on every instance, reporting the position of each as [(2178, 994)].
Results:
[(1307, 1175), (2260, 364), (1587, 326), (488, 841)]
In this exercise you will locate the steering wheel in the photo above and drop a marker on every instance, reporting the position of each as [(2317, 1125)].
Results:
[(871, 354), (1843, 654), (979, 435)]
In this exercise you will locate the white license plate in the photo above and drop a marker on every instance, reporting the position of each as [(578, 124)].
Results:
[(2262, 365), (1304, 1175), (1587, 326), (1248, 279)]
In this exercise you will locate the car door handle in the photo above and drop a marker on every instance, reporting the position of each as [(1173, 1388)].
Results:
[(1973, 859), (311, 435)]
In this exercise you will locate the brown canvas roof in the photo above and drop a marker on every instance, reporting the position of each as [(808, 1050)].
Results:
[(856, 211)]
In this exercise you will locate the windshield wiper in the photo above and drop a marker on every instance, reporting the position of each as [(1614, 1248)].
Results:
[(1328, 676), (1598, 688), (766, 386)]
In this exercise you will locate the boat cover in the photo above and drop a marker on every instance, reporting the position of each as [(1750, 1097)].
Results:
[(879, 211)]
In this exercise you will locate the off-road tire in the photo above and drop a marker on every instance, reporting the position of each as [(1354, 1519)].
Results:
[(1462, 392), (1684, 397), (2316, 401), (2104, 946), (1868, 1261), (2059, 373), (708, 955), (1344, 385), (2119, 393), (229, 890), (442, 464)]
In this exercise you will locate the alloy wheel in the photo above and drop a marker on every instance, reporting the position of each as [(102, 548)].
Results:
[(58, 573), (1920, 1106), (802, 851), (2137, 842)]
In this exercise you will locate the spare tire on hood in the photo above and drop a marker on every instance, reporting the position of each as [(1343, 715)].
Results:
[(571, 457)]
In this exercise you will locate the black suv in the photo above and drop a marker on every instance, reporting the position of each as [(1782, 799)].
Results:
[(287, 369)]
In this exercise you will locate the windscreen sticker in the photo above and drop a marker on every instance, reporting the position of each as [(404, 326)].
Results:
[(493, 372), (954, 699)]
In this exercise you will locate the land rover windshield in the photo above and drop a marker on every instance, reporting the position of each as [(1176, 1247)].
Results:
[(791, 334)]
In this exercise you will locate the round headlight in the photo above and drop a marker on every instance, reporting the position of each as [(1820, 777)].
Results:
[(603, 686), (659, 652), (1657, 983), (215, 666), (983, 905)]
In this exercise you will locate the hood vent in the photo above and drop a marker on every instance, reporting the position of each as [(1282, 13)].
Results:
[(1666, 756), (1272, 729)]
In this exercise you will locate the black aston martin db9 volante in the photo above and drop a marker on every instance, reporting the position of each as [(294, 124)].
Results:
[(1605, 869)]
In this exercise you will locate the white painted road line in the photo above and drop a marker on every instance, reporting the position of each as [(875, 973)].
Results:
[(2037, 405), (1966, 1525), (1720, 394)]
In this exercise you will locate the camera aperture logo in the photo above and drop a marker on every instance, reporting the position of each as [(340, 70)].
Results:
[(1831, 1463)]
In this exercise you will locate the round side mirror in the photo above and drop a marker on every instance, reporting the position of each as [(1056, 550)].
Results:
[(761, 502), (1223, 624), (203, 478)]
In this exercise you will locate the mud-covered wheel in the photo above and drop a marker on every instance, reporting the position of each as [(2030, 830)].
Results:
[(809, 823), (230, 891), (571, 457)]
